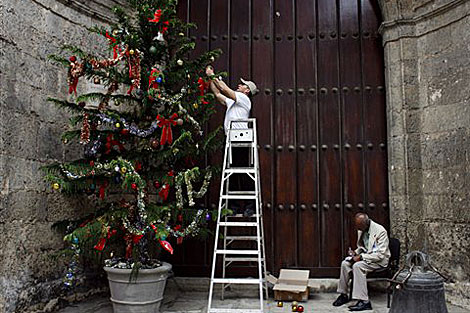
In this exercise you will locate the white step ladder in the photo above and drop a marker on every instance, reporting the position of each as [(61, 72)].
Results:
[(240, 137)]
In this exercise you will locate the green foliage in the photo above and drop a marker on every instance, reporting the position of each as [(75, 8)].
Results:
[(127, 172)]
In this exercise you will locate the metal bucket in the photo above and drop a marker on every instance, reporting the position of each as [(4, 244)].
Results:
[(141, 295), (419, 288)]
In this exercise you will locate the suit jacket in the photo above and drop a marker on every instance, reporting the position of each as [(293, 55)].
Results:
[(377, 251)]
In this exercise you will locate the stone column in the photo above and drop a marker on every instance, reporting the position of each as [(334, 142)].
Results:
[(427, 58)]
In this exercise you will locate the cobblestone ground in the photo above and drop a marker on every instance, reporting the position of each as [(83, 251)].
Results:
[(196, 302)]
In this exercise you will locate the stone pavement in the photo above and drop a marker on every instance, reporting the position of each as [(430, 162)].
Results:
[(194, 300)]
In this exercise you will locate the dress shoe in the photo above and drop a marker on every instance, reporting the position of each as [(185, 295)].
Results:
[(342, 299), (361, 305)]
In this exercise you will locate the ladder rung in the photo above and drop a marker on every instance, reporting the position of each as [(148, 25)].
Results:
[(241, 197), (241, 144), (251, 252), (237, 280), (243, 259), (241, 215), (246, 192), (234, 311), (244, 224), (250, 170), (241, 238)]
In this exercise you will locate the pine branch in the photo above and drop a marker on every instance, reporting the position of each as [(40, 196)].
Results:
[(59, 60)]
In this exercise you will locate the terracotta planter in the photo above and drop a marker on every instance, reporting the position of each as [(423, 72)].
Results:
[(141, 295)]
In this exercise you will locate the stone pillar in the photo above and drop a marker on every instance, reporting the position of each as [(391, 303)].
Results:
[(427, 70), (30, 129)]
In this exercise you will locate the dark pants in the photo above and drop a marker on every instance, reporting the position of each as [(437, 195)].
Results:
[(241, 182)]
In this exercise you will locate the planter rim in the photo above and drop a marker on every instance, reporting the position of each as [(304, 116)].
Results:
[(164, 267)]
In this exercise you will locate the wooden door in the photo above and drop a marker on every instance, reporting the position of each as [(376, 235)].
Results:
[(321, 121)]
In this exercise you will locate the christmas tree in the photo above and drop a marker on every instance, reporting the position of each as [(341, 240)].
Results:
[(142, 136)]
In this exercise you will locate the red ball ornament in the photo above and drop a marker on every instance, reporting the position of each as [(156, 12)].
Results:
[(300, 308), (92, 163), (156, 184), (134, 186), (73, 58), (124, 131)]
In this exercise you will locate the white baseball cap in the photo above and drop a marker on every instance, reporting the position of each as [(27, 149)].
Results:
[(251, 85)]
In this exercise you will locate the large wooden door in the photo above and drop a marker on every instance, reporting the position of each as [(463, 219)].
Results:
[(321, 116)]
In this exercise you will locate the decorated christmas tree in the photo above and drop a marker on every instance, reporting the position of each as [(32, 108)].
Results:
[(142, 135)]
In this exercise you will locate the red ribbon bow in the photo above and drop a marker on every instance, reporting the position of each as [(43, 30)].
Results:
[(202, 85), (101, 243), (156, 16), (112, 42), (110, 142), (153, 79), (167, 133), (163, 193)]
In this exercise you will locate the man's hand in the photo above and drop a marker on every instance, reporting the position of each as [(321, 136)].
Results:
[(357, 258), (209, 70)]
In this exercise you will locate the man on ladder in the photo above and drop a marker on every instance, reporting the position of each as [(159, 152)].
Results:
[(238, 105), (240, 159)]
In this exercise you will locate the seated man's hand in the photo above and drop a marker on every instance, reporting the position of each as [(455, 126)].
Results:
[(209, 70), (357, 258)]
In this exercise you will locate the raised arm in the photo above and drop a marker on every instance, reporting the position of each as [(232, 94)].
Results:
[(220, 85), (219, 96)]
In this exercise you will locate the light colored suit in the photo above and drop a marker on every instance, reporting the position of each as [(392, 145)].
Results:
[(374, 256)]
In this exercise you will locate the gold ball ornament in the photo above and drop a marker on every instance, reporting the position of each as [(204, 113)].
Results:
[(295, 303), (115, 32), (195, 105), (96, 80), (212, 59), (65, 141), (131, 52), (280, 304), (294, 308), (123, 170), (181, 34), (56, 186), (179, 62), (118, 125), (175, 151)]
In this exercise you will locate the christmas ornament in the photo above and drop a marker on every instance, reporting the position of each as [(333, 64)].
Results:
[(294, 303), (163, 193), (280, 304), (183, 90), (117, 168), (294, 308), (179, 62), (65, 141), (81, 104), (56, 186), (153, 50), (166, 245), (92, 163), (134, 186), (75, 71), (118, 125), (115, 32), (181, 34), (300, 308), (165, 124), (208, 216), (131, 52), (212, 59), (113, 43), (96, 80), (159, 79), (156, 184), (123, 170), (73, 59), (160, 37), (195, 105), (110, 143), (133, 60), (154, 143), (179, 121)]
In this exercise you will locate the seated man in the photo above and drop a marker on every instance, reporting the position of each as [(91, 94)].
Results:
[(372, 253)]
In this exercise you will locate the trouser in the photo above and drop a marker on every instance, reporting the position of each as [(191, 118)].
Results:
[(359, 270), (240, 182)]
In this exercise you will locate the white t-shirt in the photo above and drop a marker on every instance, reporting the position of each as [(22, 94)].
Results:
[(237, 110)]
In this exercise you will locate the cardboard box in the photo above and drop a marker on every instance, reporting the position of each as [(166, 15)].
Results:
[(292, 285)]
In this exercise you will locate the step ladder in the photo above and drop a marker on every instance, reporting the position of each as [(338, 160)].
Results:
[(241, 133)]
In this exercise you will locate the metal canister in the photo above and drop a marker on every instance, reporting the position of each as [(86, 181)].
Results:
[(418, 288)]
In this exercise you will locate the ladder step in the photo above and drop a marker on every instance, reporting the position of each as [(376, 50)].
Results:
[(250, 170), (242, 144), (241, 215), (253, 281), (213, 310), (251, 252), (243, 259), (244, 224), (241, 197), (247, 192), (241, 238)]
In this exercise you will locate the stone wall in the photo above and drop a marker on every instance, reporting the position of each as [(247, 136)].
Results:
[(30, 131), (427, 58)]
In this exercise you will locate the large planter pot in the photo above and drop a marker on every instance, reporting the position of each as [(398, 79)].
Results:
[(141, 295)]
